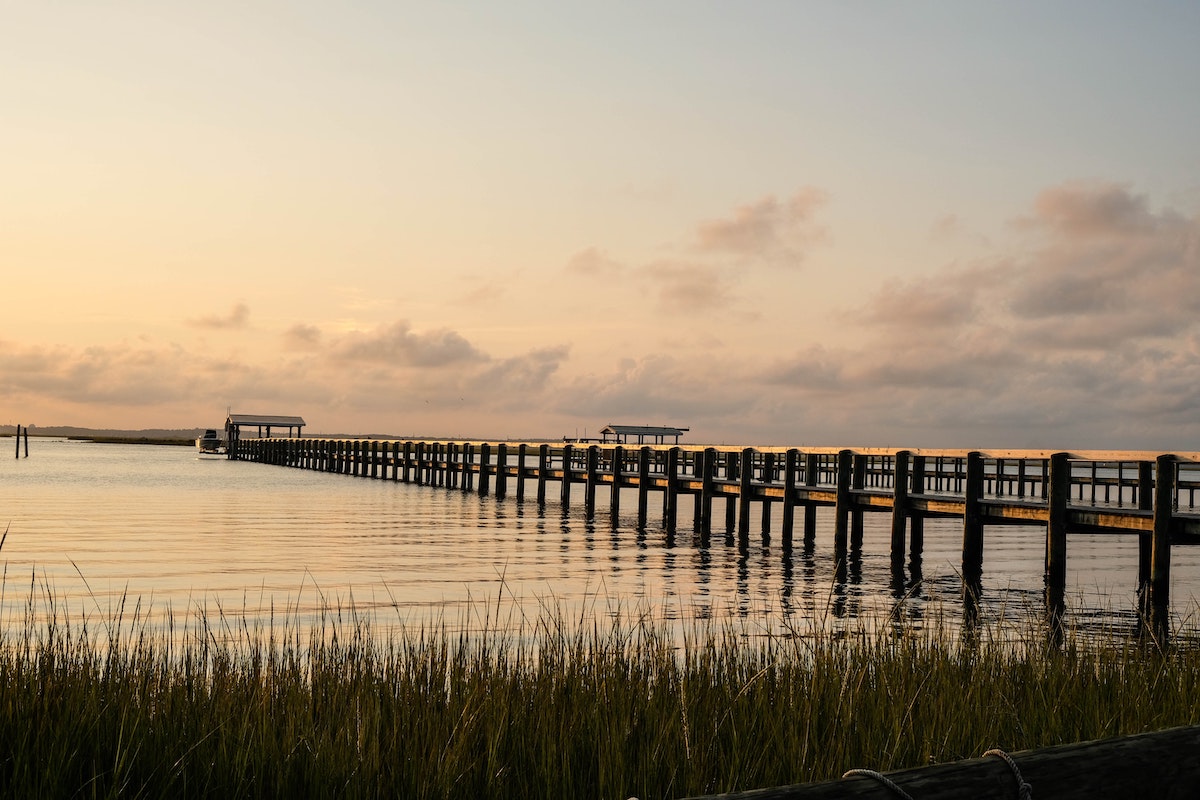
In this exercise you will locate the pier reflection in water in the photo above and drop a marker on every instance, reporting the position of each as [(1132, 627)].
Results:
[(98, 523)]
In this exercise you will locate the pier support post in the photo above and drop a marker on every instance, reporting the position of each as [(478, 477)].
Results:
[(745, 476), (732, 467), (1056, 540), (485, 455), (643, 484), (543, 468), (858, 481), (708, 468), (812, 463), (972, 553), (1145, 502), (522, 451), (614, 500), (671, 492), (1160, 548), (501, 470), (899, 506), (841, 525), (790, 463), (768, 477), (592, 466), (568, 453)]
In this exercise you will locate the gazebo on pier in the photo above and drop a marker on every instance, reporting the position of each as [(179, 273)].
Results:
[(640, 434), (235, 422)]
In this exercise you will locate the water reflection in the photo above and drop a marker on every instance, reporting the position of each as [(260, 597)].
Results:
[(165, 527)]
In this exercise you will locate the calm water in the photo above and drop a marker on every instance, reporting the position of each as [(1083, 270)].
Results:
[(93, 522)]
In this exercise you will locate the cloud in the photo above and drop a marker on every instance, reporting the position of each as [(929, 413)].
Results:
[(1091, 209), (1093, 326), (684, 287), (397, 345), (767, 230), (238, 317), (593, 262), (302, 337)]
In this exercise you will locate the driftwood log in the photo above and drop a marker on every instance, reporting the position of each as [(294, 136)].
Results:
[(1160, 765)]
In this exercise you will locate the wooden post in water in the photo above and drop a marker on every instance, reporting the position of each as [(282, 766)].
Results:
[(17, 452), (643, 484), (614, 500), (768, 477), (374, 459), (790, 462), (841, 525), (857, 481), (1160, 548), (732, 467), (708, 468), (568, 453), (543, 468), (592, 466), (522, 449), (899, 506), (811, 463), (27, 441), (671, 503), (972, 558), (485, 453), (1145, 501), (1056, 539), (916, 522), (501, 470), (746, 465)]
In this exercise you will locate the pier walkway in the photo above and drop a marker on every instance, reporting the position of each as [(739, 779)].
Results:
[(1145, 494)]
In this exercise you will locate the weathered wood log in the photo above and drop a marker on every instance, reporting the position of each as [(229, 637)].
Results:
[(1164, 765)]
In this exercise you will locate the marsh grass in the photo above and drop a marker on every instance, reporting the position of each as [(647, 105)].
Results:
[(609, 706)]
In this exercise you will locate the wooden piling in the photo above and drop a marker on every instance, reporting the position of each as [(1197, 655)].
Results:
[(972, 554), (522, 471), (591, 477), (671, 492), (707, 468), (790, 462), (614, 500), (812, 462), (485, 454), (1145, 502), (543, 470), (643, 485), (501, 470), (841, 530), (1056, 537), (1160, 547), (899, 506), (568, 452)]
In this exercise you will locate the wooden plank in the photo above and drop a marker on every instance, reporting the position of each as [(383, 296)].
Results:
[(1164, 765)]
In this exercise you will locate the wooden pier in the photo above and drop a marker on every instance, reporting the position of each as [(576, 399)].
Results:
[(1149, 495)]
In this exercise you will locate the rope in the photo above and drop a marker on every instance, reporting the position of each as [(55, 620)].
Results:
[(886, 781), (1024, 790)]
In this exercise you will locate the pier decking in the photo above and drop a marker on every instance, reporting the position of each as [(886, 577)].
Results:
[(1149, 495)]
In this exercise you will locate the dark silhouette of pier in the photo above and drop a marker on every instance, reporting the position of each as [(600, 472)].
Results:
[(1144, 494)]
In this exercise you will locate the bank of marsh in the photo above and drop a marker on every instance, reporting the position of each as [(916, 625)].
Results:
[(209, 706)]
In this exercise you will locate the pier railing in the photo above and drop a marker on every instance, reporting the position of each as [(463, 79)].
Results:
[(1150, 495)]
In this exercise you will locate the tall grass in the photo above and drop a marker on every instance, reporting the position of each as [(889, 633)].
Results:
[(612, 707)]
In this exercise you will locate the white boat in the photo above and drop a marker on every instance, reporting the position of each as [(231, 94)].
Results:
[(210, 443)]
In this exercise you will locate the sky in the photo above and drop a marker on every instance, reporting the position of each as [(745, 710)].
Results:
[(908, 224)]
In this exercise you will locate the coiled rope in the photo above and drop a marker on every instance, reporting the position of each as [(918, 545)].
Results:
[(1024, 790), (879, 776)]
